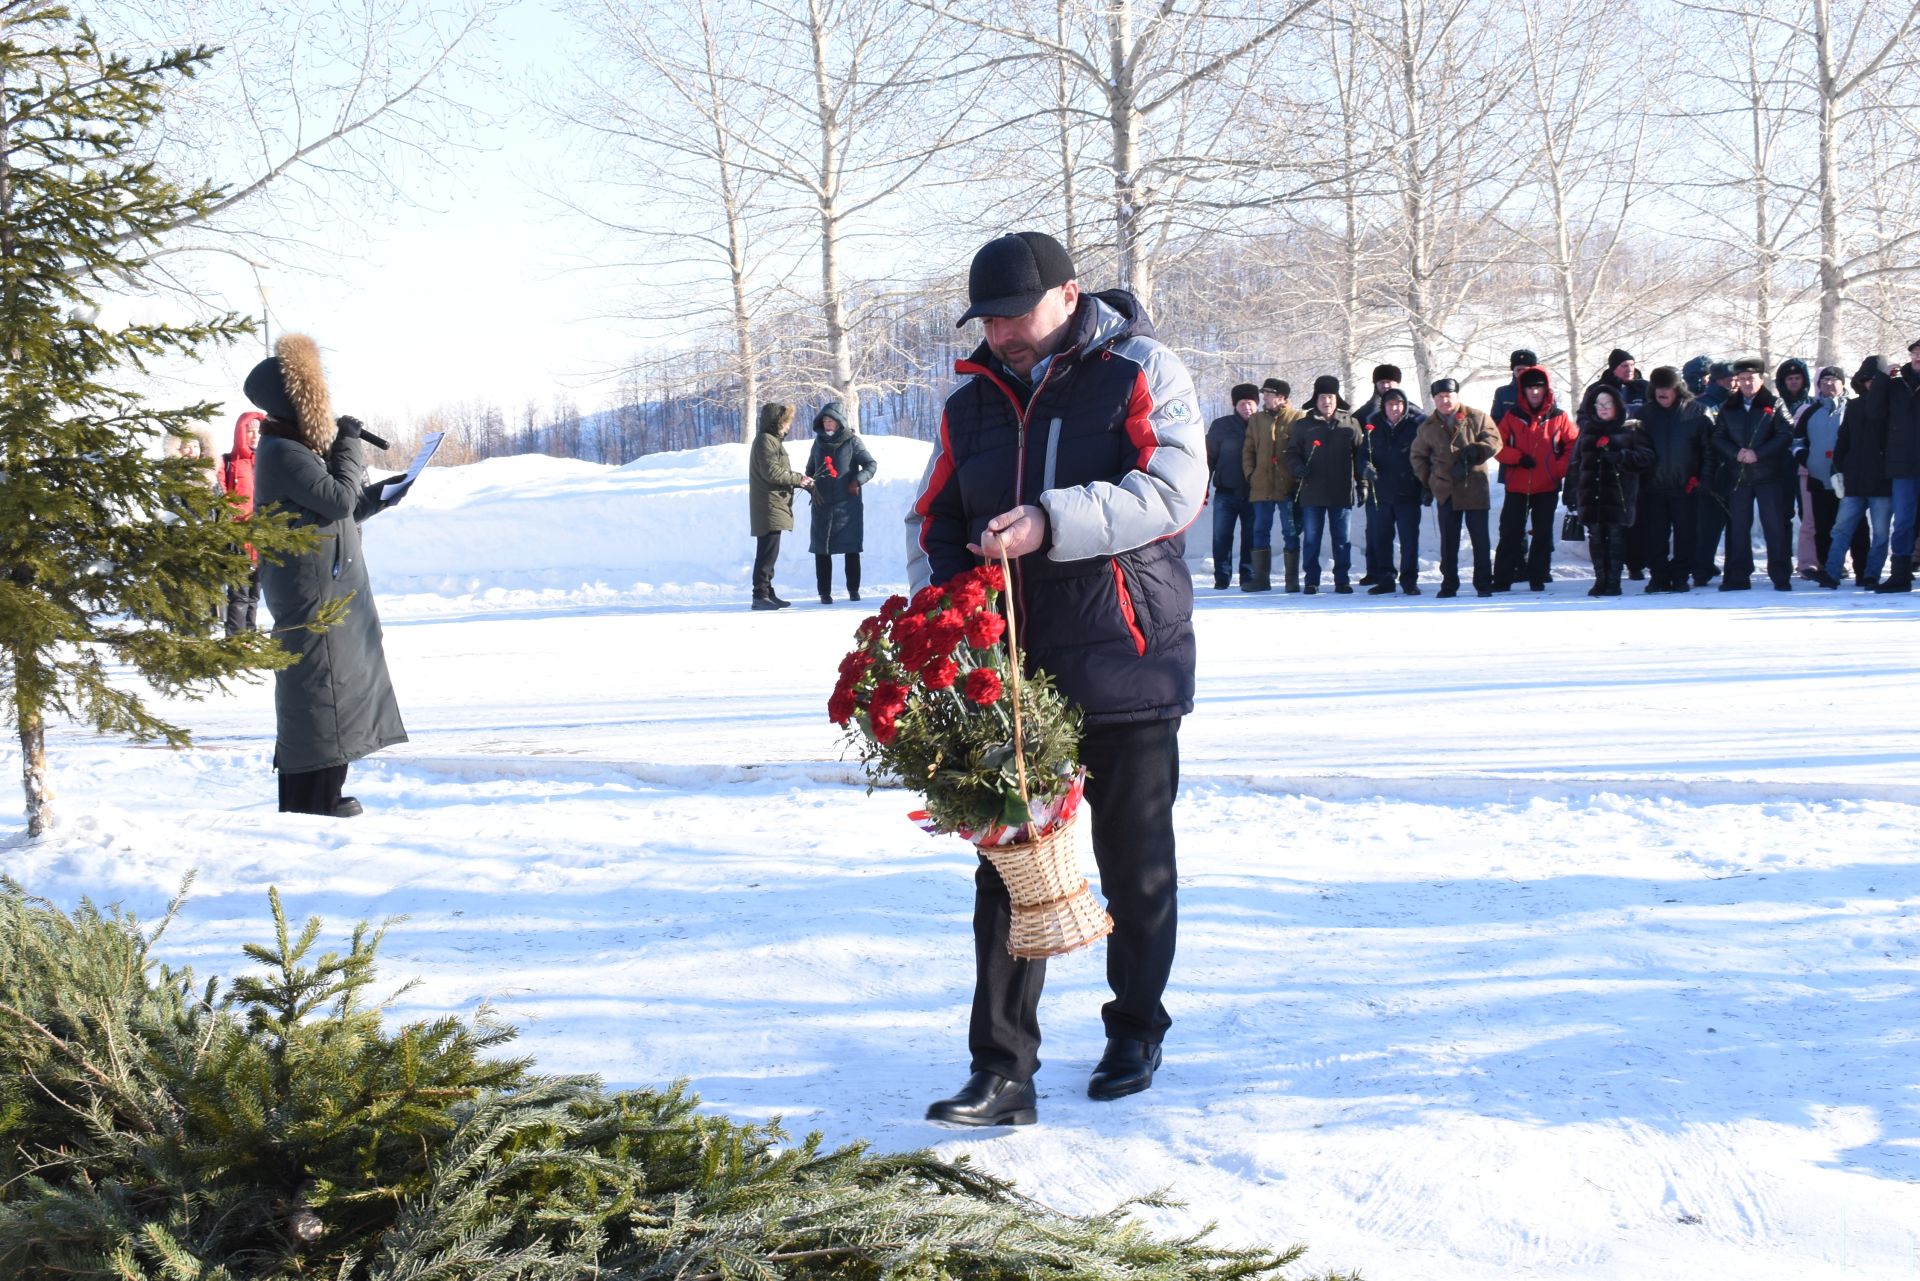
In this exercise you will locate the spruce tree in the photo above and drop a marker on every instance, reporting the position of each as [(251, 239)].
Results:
[(109, 553)]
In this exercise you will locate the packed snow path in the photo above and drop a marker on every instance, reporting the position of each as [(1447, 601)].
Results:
[(1527, 937)]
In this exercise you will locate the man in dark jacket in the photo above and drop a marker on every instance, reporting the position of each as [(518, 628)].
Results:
[(1892, 406), (1816, 435), (1075, 446), (1325, 453), (1676, 430), (1392, 491), (1719, 385), (1536, 448), (1860, 470), (1386, 378), (1621, 377), (1752, 443), (1232, 509), (1507, 394)]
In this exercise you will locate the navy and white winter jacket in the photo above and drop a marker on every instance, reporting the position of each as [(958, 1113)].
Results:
[(1110, 444)]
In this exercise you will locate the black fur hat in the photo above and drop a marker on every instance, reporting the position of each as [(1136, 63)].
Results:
[(1326, 385), (1522, 358), (1245, 391), (1386, 374), (1665, 376), (1444, 384), (1749, 365), (1278, 386)]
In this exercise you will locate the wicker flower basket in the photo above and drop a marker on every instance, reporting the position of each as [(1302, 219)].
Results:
[(1054, 911)]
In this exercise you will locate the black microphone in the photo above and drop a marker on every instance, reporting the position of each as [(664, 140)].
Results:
[(364, 433)]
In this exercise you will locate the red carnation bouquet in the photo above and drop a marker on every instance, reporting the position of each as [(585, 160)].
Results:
[(933, 694)]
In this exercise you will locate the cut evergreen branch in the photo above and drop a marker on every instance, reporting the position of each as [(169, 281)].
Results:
[(154, 1127), (110, 554)]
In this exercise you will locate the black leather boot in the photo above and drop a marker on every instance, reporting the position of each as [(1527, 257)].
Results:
[(1126, 1068), (987, 1099), (1900, 579)]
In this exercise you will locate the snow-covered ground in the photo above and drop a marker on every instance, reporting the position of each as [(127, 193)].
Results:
[(1541, 937)]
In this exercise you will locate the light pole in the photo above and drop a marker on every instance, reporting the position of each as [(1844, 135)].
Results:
[(266, 315)]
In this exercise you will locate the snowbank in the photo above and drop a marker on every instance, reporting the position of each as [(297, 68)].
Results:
[(669, 528)]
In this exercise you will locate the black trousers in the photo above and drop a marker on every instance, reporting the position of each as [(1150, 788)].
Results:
[(1668, 533), (766, 551), (314, 792), (1476, 522), (1387, 521), (823, 574), (1133, 774), (1711, 510), (243, 604), (1516, 550), (1826, 508), (1607, 547), (1772, 499)]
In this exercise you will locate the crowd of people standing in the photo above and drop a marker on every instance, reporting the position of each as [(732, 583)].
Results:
[(1655, 473)]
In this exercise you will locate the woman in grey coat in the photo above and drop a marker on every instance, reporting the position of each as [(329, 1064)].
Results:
[(838, 466), (335, 704)]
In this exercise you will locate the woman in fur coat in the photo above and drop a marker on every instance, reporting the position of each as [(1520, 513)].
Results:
[(335, 705), (1613, 452)]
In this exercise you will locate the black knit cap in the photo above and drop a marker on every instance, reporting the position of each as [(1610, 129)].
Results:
[(1522, 358), (1913, 344), (1534, 377), (1245, 391), (1749, 365), (267, 389), (1617, 357), (1833, 371), (1386, 373), (1278, 386), (1444, 384), (1326, 385), (1010, 275), (1665, 376), (1870, 368), (1392, 393)]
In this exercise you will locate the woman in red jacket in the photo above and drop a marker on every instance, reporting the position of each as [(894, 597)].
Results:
[(236, 478), (1536, 447)]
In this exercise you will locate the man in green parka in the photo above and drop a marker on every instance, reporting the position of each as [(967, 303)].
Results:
[(771, 481)]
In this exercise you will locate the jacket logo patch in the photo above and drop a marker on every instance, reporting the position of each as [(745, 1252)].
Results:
[(1177, 409)]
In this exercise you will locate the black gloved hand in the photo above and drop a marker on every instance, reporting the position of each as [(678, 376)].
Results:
[(1526, 462), (380, 487), (1370, 473), (348, 427), (1477, 454), (1426, 498)]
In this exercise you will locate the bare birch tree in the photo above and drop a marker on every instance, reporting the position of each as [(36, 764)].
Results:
[(1166, 88), (704, 233), (316, 111), (1452, 165)]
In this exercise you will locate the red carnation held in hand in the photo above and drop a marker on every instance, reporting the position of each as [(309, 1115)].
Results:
[(984, 630), (983, 686), (967, 593), (832, 471)]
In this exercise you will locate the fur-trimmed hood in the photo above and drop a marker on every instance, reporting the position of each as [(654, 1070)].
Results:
[(290, 387)]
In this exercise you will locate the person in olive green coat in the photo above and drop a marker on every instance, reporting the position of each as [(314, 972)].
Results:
[(771, 481), (1270, 486), (1453, 458)]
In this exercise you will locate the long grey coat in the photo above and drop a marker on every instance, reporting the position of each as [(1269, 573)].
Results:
[(336, 703)]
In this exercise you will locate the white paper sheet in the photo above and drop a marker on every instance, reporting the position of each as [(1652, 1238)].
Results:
[(394, 488)]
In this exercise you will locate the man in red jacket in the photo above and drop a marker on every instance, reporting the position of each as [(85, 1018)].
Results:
[(236, 478), (1536, 445)]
